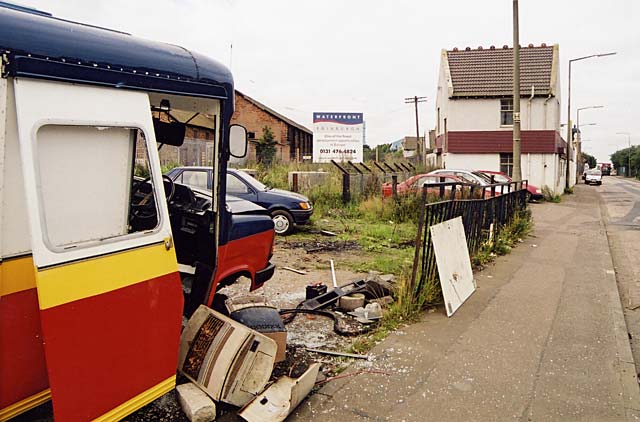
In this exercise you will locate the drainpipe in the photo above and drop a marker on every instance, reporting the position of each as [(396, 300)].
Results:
[(531, 98), (545, 110)]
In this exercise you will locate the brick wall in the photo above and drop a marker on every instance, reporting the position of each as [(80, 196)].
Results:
[(254, 119)]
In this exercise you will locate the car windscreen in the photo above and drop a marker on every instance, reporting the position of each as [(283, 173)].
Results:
[(256, 184), (594, 172), (498, 178), (484, 176), (469, 178)]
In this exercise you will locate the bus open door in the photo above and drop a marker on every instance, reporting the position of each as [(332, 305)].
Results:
[(109, 293)]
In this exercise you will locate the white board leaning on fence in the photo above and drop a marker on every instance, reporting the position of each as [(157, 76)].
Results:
[(454, 265)]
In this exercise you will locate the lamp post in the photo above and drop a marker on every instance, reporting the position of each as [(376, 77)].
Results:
[(580, 167), (517, 171), (629, 154), (569, 136)]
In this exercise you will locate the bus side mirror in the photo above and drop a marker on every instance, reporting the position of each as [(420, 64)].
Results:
[(237, 141)]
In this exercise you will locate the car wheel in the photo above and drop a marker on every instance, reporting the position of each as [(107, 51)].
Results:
[(282, 222)]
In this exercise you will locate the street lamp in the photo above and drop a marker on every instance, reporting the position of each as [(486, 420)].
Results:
[(584, 108), (569, 137), (629, 154)]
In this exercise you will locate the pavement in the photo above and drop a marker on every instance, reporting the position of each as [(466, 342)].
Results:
[(543, 338)]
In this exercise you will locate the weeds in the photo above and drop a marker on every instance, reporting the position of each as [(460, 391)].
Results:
[(550, 196)]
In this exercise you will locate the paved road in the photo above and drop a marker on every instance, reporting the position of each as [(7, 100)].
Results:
[(620, 199), (543, 338)]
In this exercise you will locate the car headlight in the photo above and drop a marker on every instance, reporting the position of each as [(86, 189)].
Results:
[(305, 205), (538, 191)]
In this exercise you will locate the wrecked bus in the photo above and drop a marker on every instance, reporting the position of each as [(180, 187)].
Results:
[(98, 266)]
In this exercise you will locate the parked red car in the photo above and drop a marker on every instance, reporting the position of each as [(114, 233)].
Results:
[(414, 183), (533, 192)]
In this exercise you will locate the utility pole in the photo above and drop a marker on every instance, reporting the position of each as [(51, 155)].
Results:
[(517, 172), (415, 100)]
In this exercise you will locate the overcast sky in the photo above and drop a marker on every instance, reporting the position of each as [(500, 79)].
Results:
[(300, 56)]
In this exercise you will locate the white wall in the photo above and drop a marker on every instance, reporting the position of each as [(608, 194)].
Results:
[(539, 169), (484, 114), (472, 161)]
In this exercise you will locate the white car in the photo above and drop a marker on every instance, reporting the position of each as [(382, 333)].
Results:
[(469, 176), (593, 176)]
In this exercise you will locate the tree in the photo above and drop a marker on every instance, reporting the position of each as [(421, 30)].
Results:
[(367, 153), (589, 159), (266, 147), (621, 157)]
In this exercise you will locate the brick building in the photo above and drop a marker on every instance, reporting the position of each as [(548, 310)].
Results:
[(294, 141)]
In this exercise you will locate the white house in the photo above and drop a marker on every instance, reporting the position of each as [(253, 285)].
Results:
[(474, 108)]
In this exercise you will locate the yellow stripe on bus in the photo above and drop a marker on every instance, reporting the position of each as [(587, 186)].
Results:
[(139, 401), (24, 405), (78, 280), (16, 275)]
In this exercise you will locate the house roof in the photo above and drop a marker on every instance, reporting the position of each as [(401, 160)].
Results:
[(489, 72), (42, 46), (274, 113)]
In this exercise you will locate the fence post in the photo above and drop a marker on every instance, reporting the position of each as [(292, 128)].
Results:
[(346, 188), (394, 185), (294, 182), (416, 255)]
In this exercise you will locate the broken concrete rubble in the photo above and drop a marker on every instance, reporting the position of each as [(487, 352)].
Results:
[(195, 403), (351, 302), (368, 314)]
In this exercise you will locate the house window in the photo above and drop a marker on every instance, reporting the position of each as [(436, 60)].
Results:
[(506, 164), (251, 135), (506, 112)]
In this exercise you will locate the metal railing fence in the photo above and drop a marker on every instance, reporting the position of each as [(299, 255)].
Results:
[(483, 217)]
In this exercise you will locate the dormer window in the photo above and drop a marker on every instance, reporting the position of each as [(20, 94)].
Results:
[(506, 112)]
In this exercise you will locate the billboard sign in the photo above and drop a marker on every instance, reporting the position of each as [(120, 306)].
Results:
[(337, 136)]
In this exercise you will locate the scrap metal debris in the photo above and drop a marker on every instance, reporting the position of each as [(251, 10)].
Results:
[(318, 246), (340, 354), (332, 296), (301, 272)]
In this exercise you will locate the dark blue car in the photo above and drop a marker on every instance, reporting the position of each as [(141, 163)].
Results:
[(287, 209)]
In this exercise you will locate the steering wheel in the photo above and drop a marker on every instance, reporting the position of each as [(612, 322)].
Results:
[(145, 208)]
